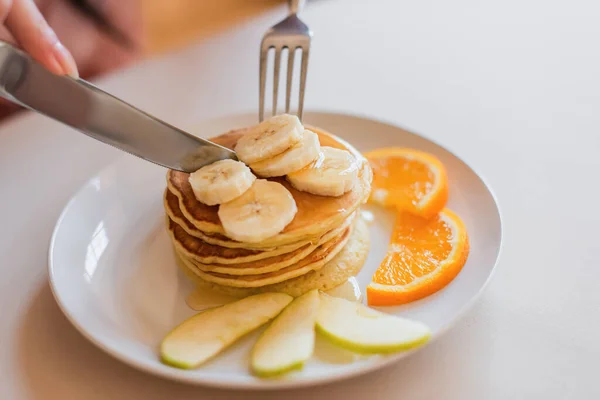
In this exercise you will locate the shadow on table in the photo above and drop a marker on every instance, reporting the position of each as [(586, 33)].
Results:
[(56, 362)]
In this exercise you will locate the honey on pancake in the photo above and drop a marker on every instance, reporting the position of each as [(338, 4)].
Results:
[(315, 215), (344, 265), (204, 298), (212, 259), (330, 353), (367, 216), (349, 290), (324, 349)]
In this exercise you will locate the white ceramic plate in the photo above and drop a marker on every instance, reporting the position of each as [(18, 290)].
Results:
[(113, 274)]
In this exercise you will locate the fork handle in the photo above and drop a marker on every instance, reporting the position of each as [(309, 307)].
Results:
[(296, 6)]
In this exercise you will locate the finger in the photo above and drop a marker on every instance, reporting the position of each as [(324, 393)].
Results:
[(33, 33), (5, 6), (6, 36), (95, 52)]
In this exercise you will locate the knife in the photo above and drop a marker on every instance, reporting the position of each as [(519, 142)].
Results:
[(86, 108)]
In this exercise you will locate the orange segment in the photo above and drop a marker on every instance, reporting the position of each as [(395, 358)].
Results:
[(409, 180), (424, 255)]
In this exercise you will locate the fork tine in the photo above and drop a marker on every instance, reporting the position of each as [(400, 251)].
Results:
[(303, 70), (276, 78), (264, 51), (290, 74)]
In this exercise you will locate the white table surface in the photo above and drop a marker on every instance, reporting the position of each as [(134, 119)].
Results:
[(511, 86)]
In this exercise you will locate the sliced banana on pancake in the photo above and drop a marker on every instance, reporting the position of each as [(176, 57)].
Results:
[(262, 211), (221, 181), (295, 158), (269, 138), (334, 173)]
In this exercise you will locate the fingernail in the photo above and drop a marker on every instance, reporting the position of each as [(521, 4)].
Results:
[(53, 65), (65, 59)]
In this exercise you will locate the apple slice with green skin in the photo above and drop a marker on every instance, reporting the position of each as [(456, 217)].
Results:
[(204, 335), (363, 330), (290, 340)]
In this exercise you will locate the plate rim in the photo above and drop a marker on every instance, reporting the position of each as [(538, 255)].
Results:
[(181, 376)]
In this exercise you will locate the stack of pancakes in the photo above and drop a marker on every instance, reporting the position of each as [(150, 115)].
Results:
[(326, 243)]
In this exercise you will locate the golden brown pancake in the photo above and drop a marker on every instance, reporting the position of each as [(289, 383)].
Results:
[(313, 261), (195, 251), (271, 264), (316, 214), (208, 249), (323, 245), (347, 263), (203, 252)]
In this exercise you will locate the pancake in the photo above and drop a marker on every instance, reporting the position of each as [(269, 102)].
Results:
[(171, 204), (207, 253), (347, 263), (261, 266), (316, 214), (215, 245), (313, 261)]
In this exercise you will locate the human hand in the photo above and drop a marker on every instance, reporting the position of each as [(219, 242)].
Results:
[(95, 51), (87, 49), (24, 25), (41, 27)]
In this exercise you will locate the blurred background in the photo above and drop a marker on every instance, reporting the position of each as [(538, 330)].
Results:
[(106, 35), (174, 23)]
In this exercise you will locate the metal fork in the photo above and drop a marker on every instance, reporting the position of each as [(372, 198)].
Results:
[(290, 34)]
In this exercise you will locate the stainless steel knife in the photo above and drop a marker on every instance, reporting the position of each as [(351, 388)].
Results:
[(86, 108)]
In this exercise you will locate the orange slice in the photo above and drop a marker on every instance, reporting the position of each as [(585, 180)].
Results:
[(424, 255), (409, 180)]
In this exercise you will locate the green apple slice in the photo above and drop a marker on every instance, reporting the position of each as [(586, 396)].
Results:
[(290, 340), (363, 330), (204, 335)]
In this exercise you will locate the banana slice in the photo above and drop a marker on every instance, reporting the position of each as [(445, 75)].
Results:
[(221, 181), (332, 174), (263, 211), (269, 138), (295, 158)]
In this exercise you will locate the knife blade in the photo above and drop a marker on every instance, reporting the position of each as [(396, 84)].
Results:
[(104, 117)]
